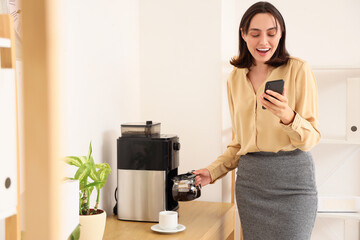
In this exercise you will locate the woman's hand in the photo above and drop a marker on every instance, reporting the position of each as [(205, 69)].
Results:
[(203, 177), (279, 107)]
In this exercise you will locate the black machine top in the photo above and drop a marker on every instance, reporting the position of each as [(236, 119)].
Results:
[(142, 147), (138, 153), (140, 129)]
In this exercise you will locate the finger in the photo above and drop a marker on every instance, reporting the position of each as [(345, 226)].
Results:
[(268, 99), (198, 179), (275, 94), (263, 102), (272, 105), (284, 92), (262, 99), (272, 99), (202, 171)]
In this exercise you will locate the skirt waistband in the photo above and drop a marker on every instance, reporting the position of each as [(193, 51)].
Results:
[(280, 153)]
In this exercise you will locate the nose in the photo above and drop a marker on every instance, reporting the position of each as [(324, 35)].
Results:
[(263, 39)]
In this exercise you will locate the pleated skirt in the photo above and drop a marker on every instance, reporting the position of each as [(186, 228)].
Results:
[(276, 195)]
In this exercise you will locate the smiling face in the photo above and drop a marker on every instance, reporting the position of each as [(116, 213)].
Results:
[(262, 38)]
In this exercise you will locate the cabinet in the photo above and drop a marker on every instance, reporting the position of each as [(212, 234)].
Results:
[(339, 116), (8, 177), (339, 104), (9, 161)]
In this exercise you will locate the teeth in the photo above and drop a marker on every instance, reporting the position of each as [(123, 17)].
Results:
[(263, 49)]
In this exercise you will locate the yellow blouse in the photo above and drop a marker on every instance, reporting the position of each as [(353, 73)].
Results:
[(256, 129)]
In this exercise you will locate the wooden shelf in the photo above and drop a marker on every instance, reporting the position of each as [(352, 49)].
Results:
[(216, 222), (340, 215), (335, 67), (339, 141)]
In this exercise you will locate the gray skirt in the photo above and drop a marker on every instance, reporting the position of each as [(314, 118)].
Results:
[(276, 195)]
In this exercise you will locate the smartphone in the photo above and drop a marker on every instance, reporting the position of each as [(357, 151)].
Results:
[(276, 86)]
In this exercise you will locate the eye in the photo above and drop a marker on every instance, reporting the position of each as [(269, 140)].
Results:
[(254, 33), (272, 32)]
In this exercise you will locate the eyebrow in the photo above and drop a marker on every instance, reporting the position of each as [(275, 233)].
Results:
[(256, 29)]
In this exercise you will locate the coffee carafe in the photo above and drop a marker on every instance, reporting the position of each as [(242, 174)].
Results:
[(184, 188)]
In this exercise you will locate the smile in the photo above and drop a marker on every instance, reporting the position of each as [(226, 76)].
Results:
[(263, 51)]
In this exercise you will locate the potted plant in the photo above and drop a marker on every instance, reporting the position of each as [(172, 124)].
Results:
[(90, 176)]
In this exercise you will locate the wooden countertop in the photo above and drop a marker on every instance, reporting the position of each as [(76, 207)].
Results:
[(203, 220)]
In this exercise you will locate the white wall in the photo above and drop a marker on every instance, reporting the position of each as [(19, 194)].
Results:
[(180, 77), (137, 61), (100, 89)]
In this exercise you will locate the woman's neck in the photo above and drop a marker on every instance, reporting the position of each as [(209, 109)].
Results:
[(260, 68), (258, 75)]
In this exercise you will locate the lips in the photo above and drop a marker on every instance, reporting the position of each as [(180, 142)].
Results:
[(263, 51)]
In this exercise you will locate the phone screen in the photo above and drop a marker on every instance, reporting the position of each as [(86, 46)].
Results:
[(276, 86)]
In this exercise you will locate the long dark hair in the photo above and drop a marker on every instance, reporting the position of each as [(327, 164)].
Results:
[(245, 59)]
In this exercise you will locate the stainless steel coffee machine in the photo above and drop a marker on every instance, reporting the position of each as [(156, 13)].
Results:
[(147, 161)]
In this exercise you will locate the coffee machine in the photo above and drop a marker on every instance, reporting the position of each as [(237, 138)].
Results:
[(146, 163)]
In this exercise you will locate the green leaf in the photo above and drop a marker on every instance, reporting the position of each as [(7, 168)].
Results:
[(90, 151), (75, 235), (82, 173), (71, 160), (94, 184), (82, 185), (103, 175), (68, 178), (83, 159), (91, 160), (102, 165), (93, 174)]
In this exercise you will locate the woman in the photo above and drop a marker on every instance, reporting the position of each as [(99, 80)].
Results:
[(275, 187)]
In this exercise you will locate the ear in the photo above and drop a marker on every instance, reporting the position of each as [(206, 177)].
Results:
[(243, 35)]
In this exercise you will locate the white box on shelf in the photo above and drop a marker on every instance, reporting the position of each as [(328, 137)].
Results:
[(69, 195), (5, 43), (8, 148), (353, 109)]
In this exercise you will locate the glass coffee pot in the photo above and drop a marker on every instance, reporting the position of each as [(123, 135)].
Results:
[(184, 188)]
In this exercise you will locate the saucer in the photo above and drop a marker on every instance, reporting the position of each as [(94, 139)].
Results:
[(157, 228)]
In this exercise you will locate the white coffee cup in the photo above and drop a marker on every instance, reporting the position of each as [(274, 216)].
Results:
[(168, 220)]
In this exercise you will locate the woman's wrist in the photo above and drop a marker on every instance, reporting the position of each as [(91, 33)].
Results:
[(289, 118)]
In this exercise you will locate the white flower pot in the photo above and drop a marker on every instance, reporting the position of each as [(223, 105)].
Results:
[(92, 226)]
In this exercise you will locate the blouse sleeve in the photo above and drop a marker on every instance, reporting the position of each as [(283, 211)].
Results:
[(228, 160), (303, 131)]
